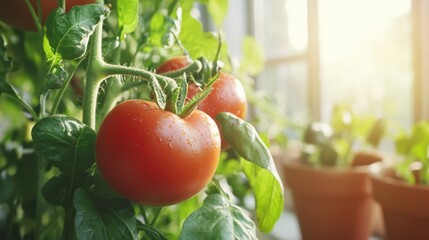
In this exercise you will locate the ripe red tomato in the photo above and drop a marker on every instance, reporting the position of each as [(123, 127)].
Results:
[(173, 64), (154, 157), (227, 95), (16, 14)]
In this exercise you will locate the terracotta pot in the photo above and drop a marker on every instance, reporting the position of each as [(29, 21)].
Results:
[(331, 203), (405, 207), (366, 158)]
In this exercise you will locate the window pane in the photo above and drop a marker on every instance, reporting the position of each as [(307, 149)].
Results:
[(285, 27), (366, 56), (286, 86)]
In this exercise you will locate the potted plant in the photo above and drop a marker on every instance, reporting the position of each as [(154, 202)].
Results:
[(401, 188), (330, 182)]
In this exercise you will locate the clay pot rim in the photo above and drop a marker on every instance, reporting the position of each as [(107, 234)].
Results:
[(377, 171), (331, 170)]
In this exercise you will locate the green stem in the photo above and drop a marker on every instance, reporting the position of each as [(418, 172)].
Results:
[(113, 88), (94, 77), (68, 232), (43, 98), (41, 166), (98, 70), (33, 13), (90, 100), (185, 51), (144, 214), (131, 85), (62, 4), (111, 70), (196, 66), (156, 216), (63, 89), (28, 108), (215, 61), (218, 186)]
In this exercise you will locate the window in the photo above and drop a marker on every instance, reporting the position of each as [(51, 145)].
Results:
[(324, 52)]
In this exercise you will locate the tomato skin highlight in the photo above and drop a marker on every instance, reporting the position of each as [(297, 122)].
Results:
[(228, 94), (154, 157), (16, 14)]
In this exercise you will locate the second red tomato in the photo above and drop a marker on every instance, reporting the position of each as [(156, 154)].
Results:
[(228, 94)]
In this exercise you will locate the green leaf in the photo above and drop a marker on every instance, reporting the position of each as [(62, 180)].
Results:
[(68, 33), (176, 99), (109, 44), (54, 190), (187, 5), (6, 63), (419, 141), (52, 58), (183, 93), (253, 61), (104, 219), (127, 16), (245, 140), (56, 76), (218, 9), (7, 88), (260, 168), (164, 28), (160, 96), (218, 219), (268, 193), (342, 119), (65, 142), (196, 41)]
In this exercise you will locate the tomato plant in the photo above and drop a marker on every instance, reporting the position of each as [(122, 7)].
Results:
[(17, 14), (131, 156), (227, 95), (166, 159)]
